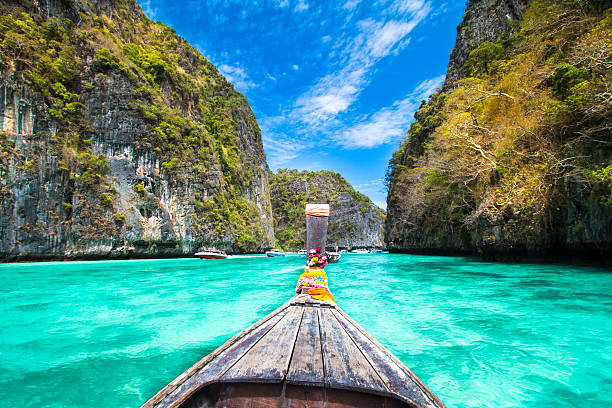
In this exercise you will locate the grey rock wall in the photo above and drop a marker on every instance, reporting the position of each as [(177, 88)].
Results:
[(35, 221), (51, 205), (483, 21)]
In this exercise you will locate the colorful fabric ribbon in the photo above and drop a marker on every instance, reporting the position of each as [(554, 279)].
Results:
[(316, 280)]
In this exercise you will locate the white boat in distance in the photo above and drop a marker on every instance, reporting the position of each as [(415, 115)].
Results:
[(333, 257), (360, 251), (275, 252), (211, 254), (302, 252)]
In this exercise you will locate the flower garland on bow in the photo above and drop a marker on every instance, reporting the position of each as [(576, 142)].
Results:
[(316, 259), (314, 277)]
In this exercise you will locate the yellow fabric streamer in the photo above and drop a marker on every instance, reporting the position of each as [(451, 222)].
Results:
[(315, 280), (320, 294)]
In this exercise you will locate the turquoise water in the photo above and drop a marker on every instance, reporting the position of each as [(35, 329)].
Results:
[(111, 334)]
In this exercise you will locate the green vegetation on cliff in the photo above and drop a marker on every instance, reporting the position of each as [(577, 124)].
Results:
[(195, 123), (517, 156), (354, 220)]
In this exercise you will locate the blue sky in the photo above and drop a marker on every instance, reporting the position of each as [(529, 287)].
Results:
[(333, 84)]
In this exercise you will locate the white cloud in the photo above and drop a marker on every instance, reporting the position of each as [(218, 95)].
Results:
[(148, 9), (301, 6), (237, 76), (372, 184), (338, 90), (351, 4), (390, 122), (324, 112), (384, 37), (375, 189), (279, 150)]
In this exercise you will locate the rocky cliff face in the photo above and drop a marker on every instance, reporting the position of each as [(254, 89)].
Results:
[(483, 20), (119, 139), (354, 221), (513, 157)]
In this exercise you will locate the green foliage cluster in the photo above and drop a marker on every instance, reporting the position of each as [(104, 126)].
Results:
[(601, 179), (47, 56), (481, 60), (427, 118), (504, 145), (105, 61), (566, 77)]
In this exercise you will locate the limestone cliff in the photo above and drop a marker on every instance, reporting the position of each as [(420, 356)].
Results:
[(354, 221), (119, 139), (483, 20), (513, 157)]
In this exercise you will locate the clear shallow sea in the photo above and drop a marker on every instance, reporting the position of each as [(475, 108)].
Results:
[(112, 333)]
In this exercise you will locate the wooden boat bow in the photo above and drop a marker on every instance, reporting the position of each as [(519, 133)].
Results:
[(305, 351)]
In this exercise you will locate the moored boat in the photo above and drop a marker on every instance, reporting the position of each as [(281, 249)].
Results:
[(275, 252), (360, 251), (211, 254), (333, 257), (302, 252)]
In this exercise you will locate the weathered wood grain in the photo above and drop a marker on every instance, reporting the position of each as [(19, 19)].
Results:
[(399, 379), (225, 360), (345, 365), (268, 360), (307, 361), (316, 232), (309, 344), (210, 368)]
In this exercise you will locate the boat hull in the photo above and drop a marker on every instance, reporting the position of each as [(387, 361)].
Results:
[(283, 395), (306, 353), (212, 256), (333, 257)]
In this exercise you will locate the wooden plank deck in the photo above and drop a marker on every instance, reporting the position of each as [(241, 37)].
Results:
[(304, 342), (307, 362)]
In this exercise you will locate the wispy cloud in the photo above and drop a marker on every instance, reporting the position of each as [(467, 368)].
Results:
[(149, 9), (374, 189), (337, 91), (301, 6), (351, 4), (280, 151), (237, 76), (389, 123), (280, 148), (325, 111)]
